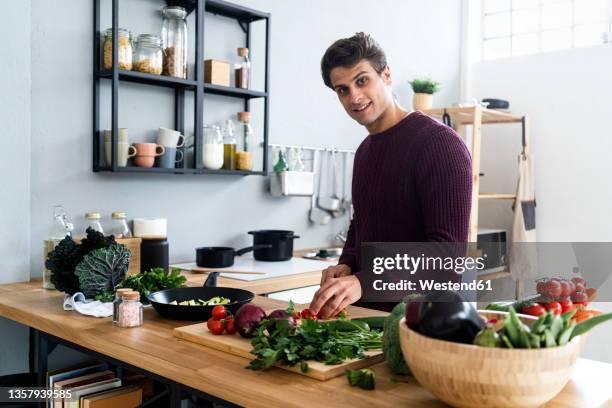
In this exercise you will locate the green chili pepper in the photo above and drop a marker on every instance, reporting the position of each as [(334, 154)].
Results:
[(567, 333), (588, 324), (363, 378)]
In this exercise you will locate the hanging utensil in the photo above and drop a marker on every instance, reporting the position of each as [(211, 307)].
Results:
[(327, 201), (339, 188), (317, 215)]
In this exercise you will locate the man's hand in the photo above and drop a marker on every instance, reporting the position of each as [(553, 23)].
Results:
[(335, 271), (335, 295)]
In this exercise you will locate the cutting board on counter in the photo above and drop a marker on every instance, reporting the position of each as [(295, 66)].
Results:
[(239, 346), (248, 269)]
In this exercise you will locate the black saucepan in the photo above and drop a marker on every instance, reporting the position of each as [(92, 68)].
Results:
[(221, 257), (280, 241), (161, 300)]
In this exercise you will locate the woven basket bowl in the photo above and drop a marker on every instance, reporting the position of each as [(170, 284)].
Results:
[(464, 375)]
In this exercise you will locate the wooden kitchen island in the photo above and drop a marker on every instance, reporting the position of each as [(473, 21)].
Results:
[(188, 368)]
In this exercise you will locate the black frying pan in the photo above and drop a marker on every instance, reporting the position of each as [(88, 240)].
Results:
[(221, 257), (161, 299)]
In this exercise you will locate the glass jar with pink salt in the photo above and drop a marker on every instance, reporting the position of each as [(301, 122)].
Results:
[(130, 310)]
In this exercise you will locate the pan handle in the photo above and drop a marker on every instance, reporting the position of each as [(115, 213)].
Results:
[(251, 248), (211, 281)]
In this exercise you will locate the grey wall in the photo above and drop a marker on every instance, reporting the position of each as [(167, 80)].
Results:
[(49, 132)]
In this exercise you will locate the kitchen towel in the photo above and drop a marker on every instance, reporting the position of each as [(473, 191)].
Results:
[(523, 252), (87, 307)]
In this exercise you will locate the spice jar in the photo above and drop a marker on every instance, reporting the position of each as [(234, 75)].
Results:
[(244, 157), (124, 51), (119, 226), (118, 299), (93, 221), (213, 148), (130, 310), (174, 40), (148, 54), (242, 70)]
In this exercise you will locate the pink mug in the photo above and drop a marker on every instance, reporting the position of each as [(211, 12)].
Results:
[(149, 149)]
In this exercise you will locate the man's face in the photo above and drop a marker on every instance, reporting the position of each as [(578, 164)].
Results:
[(363, 92)]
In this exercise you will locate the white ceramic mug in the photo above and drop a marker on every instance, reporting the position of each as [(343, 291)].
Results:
[(170, 138), (124, 152), (123, 135)]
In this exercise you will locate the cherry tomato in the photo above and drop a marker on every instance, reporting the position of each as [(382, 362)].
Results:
[(230, 325), (580, 287), (565, 288), (579, 297), (541, 286), (534, 309), (215, 325), (553, 289), (296, 314), (219, 312), (572, 287), (566, 305), (555, 307), (307, 314), (591, 292), (578, 279)]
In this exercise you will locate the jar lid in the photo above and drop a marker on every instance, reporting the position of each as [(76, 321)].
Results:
[(174, 11), (148, 39), (118, 215), (92, 216), (244, 116), (243, 51), (131, 295), (122, 291), (121, 31)]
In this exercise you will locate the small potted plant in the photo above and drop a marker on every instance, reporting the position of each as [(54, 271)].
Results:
[(423, 88)]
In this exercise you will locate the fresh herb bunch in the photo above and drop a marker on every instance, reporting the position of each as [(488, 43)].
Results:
[(425, 85), (325, 342), (153, 280), (64, 258)]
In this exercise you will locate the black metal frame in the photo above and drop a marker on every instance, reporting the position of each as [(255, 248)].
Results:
[(42, 344), (244, 16)]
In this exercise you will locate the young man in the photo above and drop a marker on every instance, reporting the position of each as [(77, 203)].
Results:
[(412, 175)]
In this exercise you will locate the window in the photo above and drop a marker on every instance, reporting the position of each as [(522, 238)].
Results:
[(519, 27)]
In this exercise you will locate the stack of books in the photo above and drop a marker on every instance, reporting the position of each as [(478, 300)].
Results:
[(91, 385)]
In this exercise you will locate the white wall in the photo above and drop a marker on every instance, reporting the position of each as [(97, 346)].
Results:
[(567, 96)]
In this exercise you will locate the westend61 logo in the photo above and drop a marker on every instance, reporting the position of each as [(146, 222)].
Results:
[(411, 264)]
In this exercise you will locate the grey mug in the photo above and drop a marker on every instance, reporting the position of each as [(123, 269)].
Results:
[(169, 159)]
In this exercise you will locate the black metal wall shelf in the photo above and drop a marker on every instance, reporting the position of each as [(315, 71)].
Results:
[(244, 17)]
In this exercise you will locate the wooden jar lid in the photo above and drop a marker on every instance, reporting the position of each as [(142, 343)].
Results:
[(244, 116), (243, 51), (131, 295)]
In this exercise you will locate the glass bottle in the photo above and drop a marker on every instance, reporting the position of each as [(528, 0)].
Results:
[(244, 157), (61, 228), (93, 221), (281, 164), (124, 49), (118, 299), (119, 226), (129, 312), (229, 146), (213, 148), (148, 54), (174, 40), (242, 70)]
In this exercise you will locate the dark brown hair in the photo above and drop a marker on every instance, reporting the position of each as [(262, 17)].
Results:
[(346, 52)]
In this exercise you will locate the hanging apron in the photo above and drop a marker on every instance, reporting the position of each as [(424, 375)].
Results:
[(523, 257)]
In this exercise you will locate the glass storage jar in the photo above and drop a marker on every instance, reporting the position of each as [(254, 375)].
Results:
[(244, 157), (124, 51), (229, 146), (93, 221), (148, 54), (118, 299), (174, 40), (242, 69), (130, 310), (213, 148), (119, 226)]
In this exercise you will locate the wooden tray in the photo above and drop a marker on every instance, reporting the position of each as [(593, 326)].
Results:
[(239, 346)]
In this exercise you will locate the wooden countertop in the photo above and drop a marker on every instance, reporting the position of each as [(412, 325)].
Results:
[(153, 348)]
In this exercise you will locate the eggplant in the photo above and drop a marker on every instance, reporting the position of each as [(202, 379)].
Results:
[(446, 316)]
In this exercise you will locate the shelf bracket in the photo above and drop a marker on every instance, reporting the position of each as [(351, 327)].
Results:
[(244, 25)]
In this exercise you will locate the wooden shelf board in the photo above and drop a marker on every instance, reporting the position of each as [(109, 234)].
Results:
[(496, 196), (465, 116)]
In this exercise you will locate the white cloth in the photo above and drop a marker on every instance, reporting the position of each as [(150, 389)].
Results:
[(523, 252), (87, 307)]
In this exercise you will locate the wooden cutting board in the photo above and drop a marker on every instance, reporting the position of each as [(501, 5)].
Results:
[(239, 346)]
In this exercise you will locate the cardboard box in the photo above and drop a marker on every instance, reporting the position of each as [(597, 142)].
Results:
[(217, 72)]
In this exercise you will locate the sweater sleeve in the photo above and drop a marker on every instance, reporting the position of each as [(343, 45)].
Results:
[(444, 185)]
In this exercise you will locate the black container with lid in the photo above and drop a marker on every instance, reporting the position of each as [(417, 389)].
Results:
[(154, 254)]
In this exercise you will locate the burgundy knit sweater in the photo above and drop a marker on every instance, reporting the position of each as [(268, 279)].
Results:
[(411, 183)]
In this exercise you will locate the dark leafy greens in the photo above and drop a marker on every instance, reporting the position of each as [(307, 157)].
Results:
[(64, 258), (102, 270), (153, 280)]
